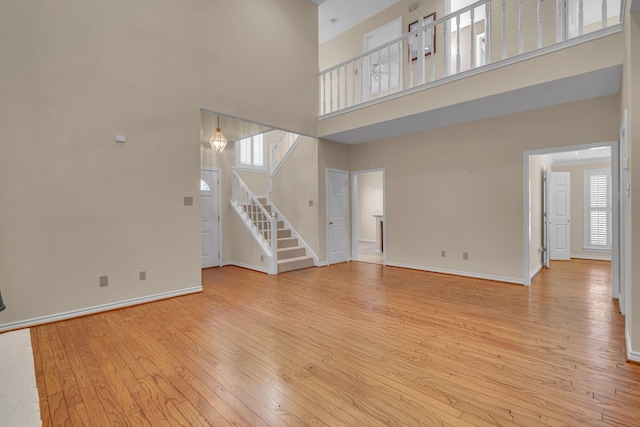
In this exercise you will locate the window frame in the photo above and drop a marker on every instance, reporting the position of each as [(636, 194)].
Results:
[(252, 166), (588, 209)]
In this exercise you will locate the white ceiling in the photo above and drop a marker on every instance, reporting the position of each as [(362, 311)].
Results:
[(347, 14)]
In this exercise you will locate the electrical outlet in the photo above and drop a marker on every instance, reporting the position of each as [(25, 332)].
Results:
[(104, 280), (465, 255), (443, 254), (143, 275)]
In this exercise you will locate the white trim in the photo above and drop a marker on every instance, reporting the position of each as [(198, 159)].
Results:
[(284, 158), (632, 356), (591, 257), (617, 28), (366, 240), (247, 266), (535, 271), (244, 218), (457, 273), (323, 264), (247, 168), (97, 309)]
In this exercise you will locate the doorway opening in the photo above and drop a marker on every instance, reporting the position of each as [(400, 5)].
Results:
[(578, 164), (367, 212)]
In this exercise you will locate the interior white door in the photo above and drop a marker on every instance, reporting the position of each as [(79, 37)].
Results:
[(210, 217), (546, 258), (337, 234), (560, 216)]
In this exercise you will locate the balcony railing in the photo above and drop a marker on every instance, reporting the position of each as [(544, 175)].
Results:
[(471, 38)]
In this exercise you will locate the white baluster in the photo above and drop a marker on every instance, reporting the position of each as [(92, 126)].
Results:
[(604, 13), (353, 82), (487, 32), (457, 43), (399, 50), (331, 91), (447, 63), (338, 89), (420, 51), (503, 29), (559, 21), (539, 20), (432, 56), (411, 43), (389, 69), (473, 39), (274, 243), (324, 93), (346, 98), (580, 17), (379, 73), (520, 29)]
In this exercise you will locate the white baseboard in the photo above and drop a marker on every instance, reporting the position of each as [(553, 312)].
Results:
[(592, 257), (632, 356), (247, 266), (322, 264), (457, 273), (367, 240), (535, 271), (96, 309)]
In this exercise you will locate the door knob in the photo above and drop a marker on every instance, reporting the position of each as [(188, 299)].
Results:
[(330, 222)]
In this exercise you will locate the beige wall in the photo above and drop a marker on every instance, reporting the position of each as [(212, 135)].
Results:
[(537, 164), (331, 155), (370, 202), (459, 189), (295, 186), (76, 204), (577, 209)]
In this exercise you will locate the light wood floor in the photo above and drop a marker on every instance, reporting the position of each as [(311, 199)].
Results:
[(367, 252), (353, 344)]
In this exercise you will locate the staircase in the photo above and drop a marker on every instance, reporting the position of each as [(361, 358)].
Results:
[(290, 256)]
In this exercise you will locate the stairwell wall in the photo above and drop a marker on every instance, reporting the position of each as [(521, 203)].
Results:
[(295, 190)]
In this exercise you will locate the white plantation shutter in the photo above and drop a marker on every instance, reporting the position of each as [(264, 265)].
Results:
[(250, 152), (258, 150), (597, 209)]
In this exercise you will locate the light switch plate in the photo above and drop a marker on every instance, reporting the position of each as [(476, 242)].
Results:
[(188, 201)]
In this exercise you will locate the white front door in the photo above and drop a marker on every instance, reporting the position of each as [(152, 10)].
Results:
[(210, 217), (337, 234), (560, 216)]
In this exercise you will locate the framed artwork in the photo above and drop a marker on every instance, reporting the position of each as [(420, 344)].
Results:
[(429, 40)]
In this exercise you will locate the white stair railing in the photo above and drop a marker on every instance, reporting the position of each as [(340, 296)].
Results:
[(464, 40), (261, 223)]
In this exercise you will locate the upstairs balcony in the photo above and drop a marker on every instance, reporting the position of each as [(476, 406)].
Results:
[(491, 52)]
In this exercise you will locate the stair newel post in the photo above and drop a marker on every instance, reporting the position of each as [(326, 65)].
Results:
[(273, 226)]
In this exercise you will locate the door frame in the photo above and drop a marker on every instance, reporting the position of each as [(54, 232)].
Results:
[(219, 171), (615, 208), (354, 211), (625, 221), (326, 218)]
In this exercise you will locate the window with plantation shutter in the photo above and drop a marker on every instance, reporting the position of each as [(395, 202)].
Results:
[(250, 153), (597, 218)]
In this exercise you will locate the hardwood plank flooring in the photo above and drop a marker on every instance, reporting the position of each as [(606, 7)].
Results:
[(353, 344)]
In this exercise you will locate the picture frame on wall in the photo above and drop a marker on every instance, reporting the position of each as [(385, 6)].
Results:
[(429, 41)]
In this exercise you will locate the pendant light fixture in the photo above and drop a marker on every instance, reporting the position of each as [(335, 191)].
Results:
[(218, 141)]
